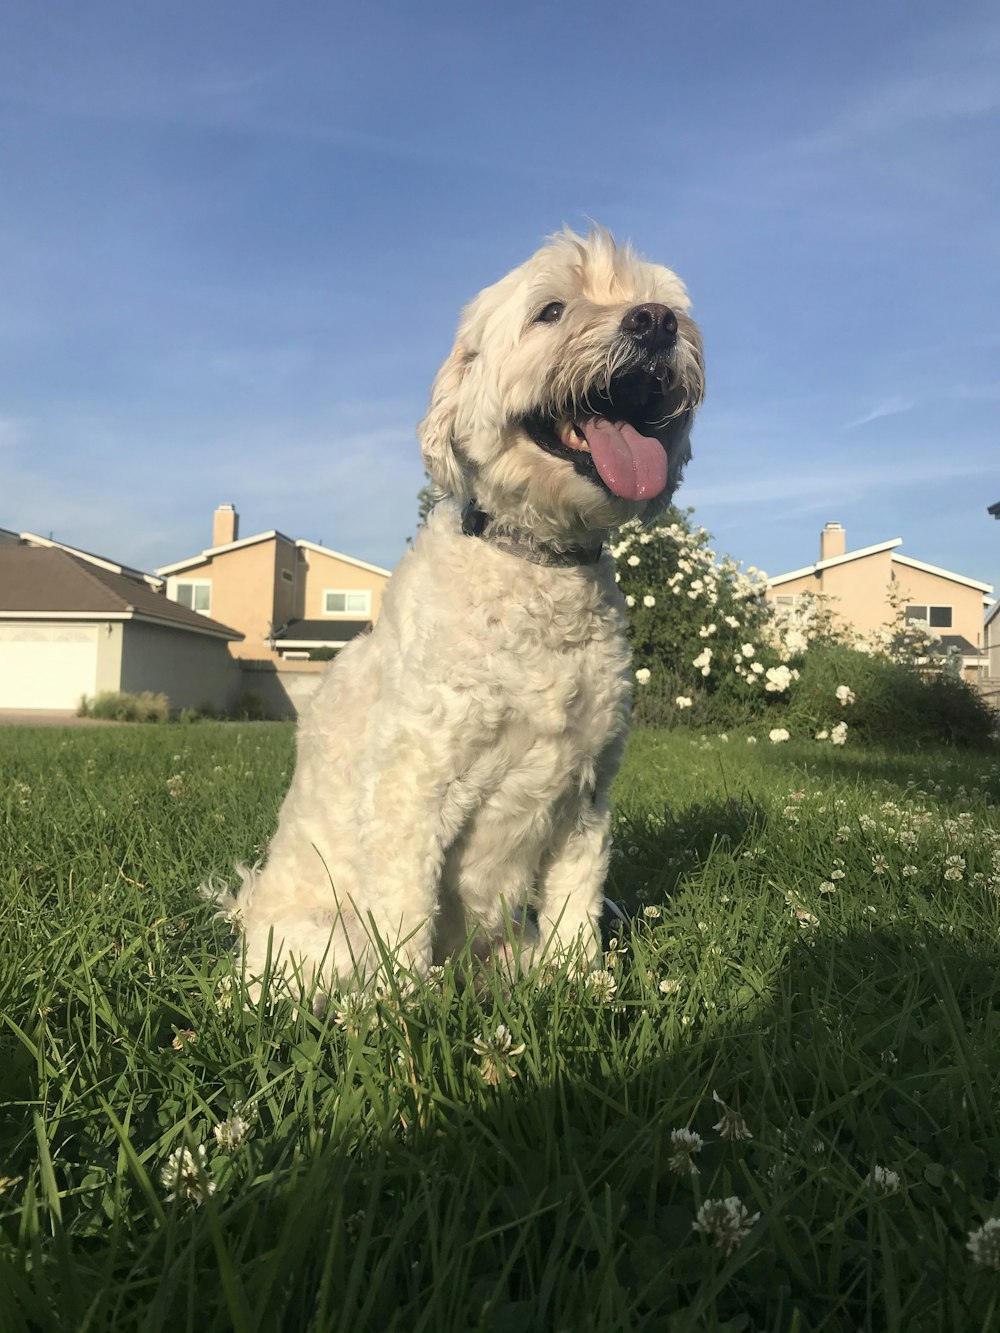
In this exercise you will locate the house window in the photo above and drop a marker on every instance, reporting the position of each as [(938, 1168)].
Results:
[(788, 599), (196, 594), (938, 617), (345, 602)]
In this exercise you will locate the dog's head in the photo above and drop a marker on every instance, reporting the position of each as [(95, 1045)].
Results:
[(567, 401)]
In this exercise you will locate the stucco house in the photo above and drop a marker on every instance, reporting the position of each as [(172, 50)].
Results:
[(287, 597), (859, 587), (75, 623), (991, 632)]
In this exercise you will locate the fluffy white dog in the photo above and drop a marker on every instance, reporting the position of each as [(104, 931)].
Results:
[(456, 762)]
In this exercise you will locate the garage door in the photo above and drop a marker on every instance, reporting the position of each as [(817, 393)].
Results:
[(46, 666)]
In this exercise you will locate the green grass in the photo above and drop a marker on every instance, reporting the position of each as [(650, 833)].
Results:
[(385, 1184)]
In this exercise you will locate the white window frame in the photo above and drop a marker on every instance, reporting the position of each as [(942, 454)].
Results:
[(789, 600), (193, 584), (927, 608), (347, 593)]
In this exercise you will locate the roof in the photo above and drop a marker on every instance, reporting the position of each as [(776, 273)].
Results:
[(274, 535), (994, 510), (942, 573), (47, 582), (835, 560), (991, 613), (101, 561), (312, 633), (960, 644), (877, 549)]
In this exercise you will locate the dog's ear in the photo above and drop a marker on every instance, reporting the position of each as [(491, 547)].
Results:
[(437, 430)]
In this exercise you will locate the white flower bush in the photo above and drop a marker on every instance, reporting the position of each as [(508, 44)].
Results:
[(705, 638)]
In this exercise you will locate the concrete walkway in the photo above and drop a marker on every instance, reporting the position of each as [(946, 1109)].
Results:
[(41, 717)]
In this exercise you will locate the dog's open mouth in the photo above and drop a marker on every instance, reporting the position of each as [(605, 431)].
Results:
[(611, 437)]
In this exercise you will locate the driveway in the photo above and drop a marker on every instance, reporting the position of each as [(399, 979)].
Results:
[(40, 717)]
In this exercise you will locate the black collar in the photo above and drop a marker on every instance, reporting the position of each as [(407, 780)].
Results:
[(516, 541)]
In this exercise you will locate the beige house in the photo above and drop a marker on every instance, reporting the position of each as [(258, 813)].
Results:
[(992, 641), (862, 587), (287, 597), (73, 623)]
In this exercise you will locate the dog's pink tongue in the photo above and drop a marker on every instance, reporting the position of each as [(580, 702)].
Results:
[(631, 465)]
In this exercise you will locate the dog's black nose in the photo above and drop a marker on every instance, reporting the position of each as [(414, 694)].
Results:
[(651, 325)]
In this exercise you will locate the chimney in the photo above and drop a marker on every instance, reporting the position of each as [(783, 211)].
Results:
[(225, 525), (832, 541)]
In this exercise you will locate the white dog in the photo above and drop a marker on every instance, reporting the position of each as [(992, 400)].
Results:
[(455, 764)]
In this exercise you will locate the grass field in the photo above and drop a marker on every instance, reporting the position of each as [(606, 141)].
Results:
[(814, 941)]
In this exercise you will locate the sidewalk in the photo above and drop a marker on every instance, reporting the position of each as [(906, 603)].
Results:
[(40, 717)]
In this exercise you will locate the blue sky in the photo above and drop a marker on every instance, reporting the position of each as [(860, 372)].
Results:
[(235, 238)]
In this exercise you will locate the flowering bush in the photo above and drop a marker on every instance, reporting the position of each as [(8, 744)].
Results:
[(696, 619), (707, 645)]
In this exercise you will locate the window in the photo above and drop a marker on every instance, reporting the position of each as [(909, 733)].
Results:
[(938, 617), (345, 602), (196, 594), (788, 599), (288, 576)]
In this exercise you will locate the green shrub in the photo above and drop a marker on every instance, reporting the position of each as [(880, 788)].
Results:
[(120, 706)]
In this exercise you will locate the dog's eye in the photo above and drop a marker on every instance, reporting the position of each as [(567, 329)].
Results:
[(552, 313)]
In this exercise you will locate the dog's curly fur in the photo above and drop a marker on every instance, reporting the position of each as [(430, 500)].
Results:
[(456, 763)]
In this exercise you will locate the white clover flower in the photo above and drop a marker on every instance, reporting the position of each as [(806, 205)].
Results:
[(884, 1181), (910, 871), (732, 1126), (703, 659), (686, 1143), (633, 560), (757, 668), (229, 1134), (354, 1012), (845, 695), (838, 736), (682, 701), (827, 887), (751, 740), (669, 986), (649, 600), (495, 1053), (822, 735), (778, 734), (185, 1177), (748, 650), (984, 1243), (652, 913), (725, 1221), (602, 986), (642, 675), (630, 601), (614, 951), (732, 622)]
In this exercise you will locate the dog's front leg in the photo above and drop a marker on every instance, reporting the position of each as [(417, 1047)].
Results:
[(419, 800), (572, 887)]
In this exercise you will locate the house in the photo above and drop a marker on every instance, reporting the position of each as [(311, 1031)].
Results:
[(74, 623), (294, 601), (991, 633), (862, 588)]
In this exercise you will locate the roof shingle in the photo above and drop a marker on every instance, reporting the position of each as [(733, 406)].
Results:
[(45, 580)]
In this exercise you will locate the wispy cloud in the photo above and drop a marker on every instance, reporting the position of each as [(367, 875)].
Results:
[(824, 485), (888, 407)]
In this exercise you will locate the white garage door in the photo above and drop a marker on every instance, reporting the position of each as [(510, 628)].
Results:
[(46, 666)]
